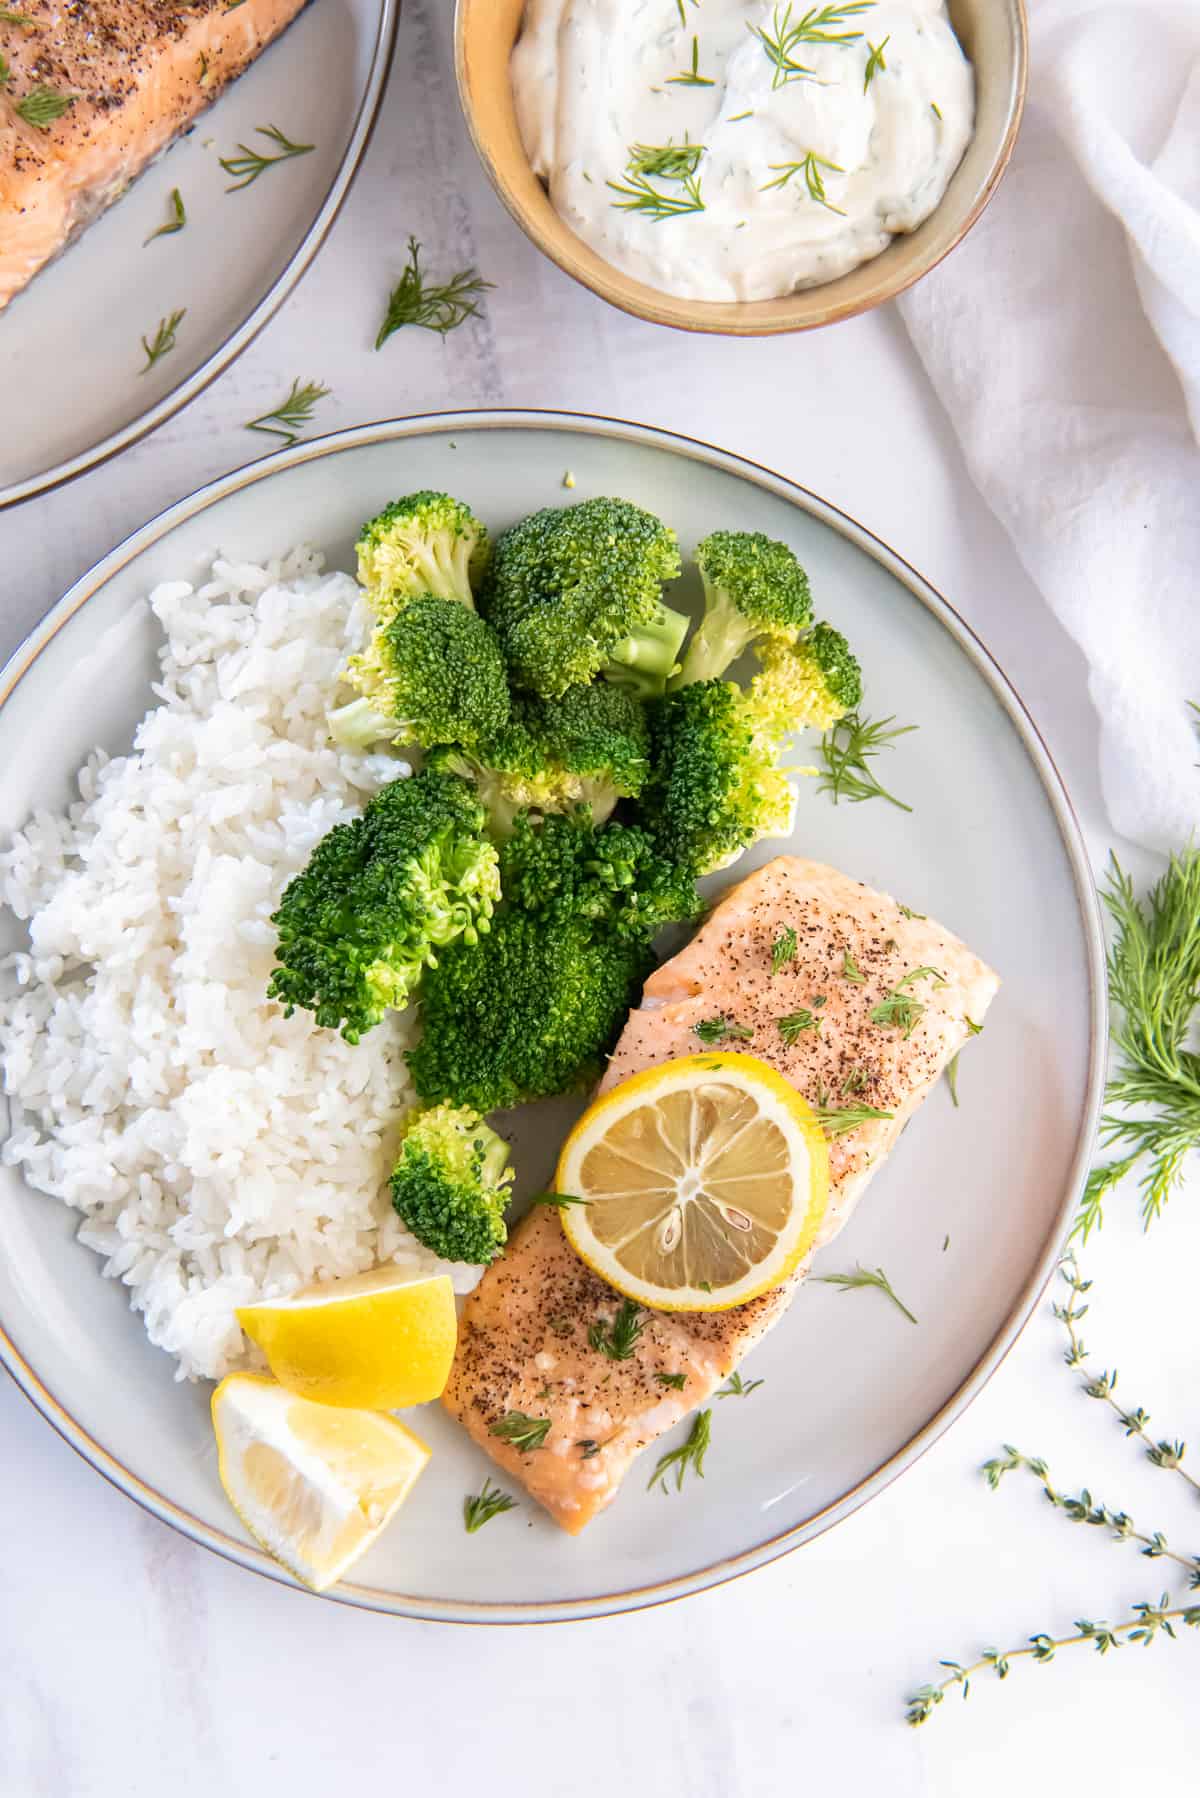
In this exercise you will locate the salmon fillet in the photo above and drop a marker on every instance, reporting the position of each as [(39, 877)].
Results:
[(523, 1342), (140, 71)]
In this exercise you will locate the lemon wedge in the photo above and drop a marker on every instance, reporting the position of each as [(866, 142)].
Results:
[(314, 1485), (705, 1179), (378, 1342)]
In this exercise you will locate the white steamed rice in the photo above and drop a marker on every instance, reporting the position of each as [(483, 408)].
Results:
[(218, 1152)]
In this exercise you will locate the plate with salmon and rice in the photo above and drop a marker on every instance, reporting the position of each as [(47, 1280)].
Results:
[(167, 173), (560, 986)]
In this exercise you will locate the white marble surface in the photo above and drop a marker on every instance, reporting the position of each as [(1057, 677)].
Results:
[(134, 1663)]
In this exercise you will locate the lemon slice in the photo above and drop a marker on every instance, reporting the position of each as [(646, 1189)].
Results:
[(314, 1485), (379, 1341), (705, 1179)]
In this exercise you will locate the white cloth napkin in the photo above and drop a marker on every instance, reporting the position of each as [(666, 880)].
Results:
[(1063, 338)]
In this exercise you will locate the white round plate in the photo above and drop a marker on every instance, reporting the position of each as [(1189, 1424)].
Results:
[(966, 1217), (71, 358)]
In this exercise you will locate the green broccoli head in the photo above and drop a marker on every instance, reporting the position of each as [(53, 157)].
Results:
[(423, 543), (433, 674), (576, 591), (451, 1182), (805, 686), (587, 747), (613, 876), (524, 1013), (754, 588), (716, 787), (379, 897)]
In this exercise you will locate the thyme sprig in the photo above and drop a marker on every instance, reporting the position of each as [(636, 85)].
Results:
[(863, 1276), (691, 77), (415, 301), (479, 1508), (837, 1120), (520, 1431), (688, 1457), (249, 164), (1148, 1621), (810, 166), (163, 340), (42, 105), (1154, 984), (176, 222), (1160, 1453), (289, 418), (1083, 1508), (617, 1337), (847, 751)]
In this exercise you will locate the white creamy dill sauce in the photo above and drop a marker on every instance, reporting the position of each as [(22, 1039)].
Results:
[(805, 136)]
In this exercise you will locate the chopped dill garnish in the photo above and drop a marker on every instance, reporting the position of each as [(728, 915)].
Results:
[(440, 309), (667, 162), (176, 222), (287, 419), (560, 1200), (42, 105), (484, 1505), (521, 1432), (617, 1337), (690, 1455), (640, 196), (904, 909), (587, 1446), (935, 108), (163, 340), (250, 164), (202, 70), (810, 166), (737, 117), (854, 1082), (973, 1027), (14, 18), (836, 1120), (796, 1023), (863, 1277), (847, 750), (851, 970), (952, 1078), (691, 77), (875, 61), (783, 949), (737, 1387), (676, 1381), (715, 1030), (4, 71), (900, 1010), (683, 12)]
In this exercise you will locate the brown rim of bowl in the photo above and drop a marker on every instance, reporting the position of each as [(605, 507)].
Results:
[(761, 1553), (638, 300)]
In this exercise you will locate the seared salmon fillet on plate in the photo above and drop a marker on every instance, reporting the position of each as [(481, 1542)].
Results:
[(523, 1342), (136, 73)]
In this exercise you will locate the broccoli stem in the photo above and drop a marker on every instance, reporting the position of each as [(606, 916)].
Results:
[(645, 661), (359, 724), (723, 635), (495, 1158)]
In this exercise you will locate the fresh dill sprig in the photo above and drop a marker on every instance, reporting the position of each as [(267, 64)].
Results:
[(793, 1026), (689, 1456), (163, 340), (640, 196), (715, 1030), (617, 1337), (249, 164), (176, 222), (816, 27), (810, 167), (875, 61), (691, 77), (1154, 984), (836, 1120), (1161, 1453), (854, 1082), (783, 949), (1083, 1508), (288, 419), (560, 1200), (481, 1507), (683, 13), (862, 1276), (1145, 1625), (676, 1381), (667, 162), (899, 1011), (952, 1078), (851, 970), (736, 1387), (4, 71), (520, 1431), (442, 309), (42, 105), (847, 751)]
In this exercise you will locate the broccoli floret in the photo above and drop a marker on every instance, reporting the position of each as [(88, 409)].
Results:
[(577, 591), (754, 588), (808, 685), (379, 896), (433, 674), (423, 543), (614, 877), (451, 1183), (524, 1013), (588, 747), (716, 787)]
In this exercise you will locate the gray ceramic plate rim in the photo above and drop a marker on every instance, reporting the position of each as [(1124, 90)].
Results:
[(272, 300), (761, 1553)]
